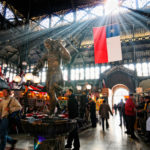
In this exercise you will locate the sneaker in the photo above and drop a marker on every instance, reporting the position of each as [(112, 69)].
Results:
[(13, 144), (68, 146)]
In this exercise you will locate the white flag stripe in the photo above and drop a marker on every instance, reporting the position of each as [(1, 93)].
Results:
[(114, 49)]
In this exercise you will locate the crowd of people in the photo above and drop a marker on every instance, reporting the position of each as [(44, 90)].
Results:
[(83, 108), (134, 114), (11, 112)]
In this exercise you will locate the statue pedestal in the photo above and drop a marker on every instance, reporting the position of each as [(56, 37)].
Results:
[(49, 134)]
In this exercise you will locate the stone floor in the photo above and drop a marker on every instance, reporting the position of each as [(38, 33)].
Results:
[(96, 139), (112, 139)]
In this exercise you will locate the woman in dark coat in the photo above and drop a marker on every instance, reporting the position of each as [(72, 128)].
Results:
[(104, 113), (92, 112)]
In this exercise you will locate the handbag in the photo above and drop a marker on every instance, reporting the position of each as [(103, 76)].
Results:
[(14, 115)]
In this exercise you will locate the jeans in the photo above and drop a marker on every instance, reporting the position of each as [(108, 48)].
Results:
[(107, 125), (4, 134), (14, 119)]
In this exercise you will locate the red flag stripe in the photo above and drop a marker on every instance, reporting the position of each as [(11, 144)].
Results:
[(100, 45)]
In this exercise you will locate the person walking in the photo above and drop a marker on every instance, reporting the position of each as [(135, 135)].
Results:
[(115, 108), (120, 108), (104, 113), (83, 104), (7, 106), (130, 116), (92, 105), (72, 114)]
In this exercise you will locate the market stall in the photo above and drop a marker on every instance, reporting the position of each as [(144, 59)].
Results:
[(38, 123)]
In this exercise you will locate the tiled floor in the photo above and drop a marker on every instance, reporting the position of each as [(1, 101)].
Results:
[(96, 139)]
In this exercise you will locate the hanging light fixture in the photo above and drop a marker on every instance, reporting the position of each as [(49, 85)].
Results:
[(24, 63), (88, 87), (17, 79), (79, 87), (5, 65), (36, 79), (28, 76)]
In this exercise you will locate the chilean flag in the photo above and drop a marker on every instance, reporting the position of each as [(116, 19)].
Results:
[(107, 45)]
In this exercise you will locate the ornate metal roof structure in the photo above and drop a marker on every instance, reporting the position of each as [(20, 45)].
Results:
[(23, 36)]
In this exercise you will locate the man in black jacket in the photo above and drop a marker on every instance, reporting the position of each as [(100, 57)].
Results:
[(72, 113), (83, 104)]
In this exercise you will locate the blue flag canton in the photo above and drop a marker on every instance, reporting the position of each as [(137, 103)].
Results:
[(112, 30)]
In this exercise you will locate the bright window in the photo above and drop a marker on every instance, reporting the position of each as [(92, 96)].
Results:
[(81, 74), (77, 74), (69, 17), (129, 3), (97, 71), (7, 74), (14, 74), (43, 76), (103, 68), (131, 66), (139, 69), (145, 69), (65, 74), (126, 66), (54, 20), (72, 74), (45, 23), (92, 73), (142, 3), (11, 77), (98, 10), (111, 6), (149, 68), (107, 67), (81, 15), (87, 73), (40, 76), (9, 13)]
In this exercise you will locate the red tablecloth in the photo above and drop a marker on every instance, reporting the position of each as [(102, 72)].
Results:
[(36, 114)]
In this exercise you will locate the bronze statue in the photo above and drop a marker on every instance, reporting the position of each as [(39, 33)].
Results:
[(56, 52)]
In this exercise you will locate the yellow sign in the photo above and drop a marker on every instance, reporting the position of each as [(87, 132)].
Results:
[(139, 90)]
